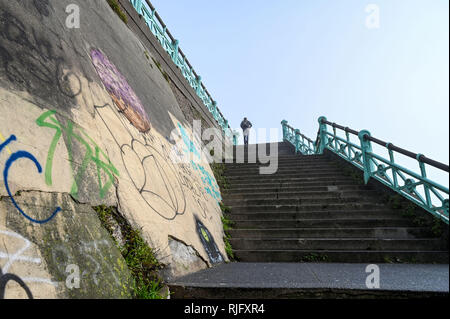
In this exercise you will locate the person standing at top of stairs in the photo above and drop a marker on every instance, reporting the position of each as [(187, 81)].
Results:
[(246, 125)]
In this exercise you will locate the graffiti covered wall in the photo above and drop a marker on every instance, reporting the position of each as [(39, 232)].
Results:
[(88, 120)]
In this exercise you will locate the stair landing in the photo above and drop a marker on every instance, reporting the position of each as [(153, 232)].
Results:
[(311, 280)]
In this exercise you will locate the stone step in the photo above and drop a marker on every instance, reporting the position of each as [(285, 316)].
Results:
[(294, 165), (282, 166), (251, 150), (313, 181), (307, 207), (301, 201), (284, 194), (288, 184), (268, 151), (343, 244), (380, 232), (357, 256), (287, 187), (286, 173), (364, 222), (288, 176), (299, 216), (283, 159), (283, 144), (255, 148), (293, 196)]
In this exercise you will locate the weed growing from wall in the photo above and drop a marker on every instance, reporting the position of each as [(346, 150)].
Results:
[(164, 73), (228, 248), (408, 209), (314, 257), (218, 170), (139, 257), (227, 226), (116, 8)]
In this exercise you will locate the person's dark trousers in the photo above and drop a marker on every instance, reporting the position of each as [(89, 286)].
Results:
[(245, 139)]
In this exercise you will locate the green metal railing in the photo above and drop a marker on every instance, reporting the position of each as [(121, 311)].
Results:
[(171, 46), (302, 144), (416, 187)]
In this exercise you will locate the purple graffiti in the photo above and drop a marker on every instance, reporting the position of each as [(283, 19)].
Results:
[(123, 95)]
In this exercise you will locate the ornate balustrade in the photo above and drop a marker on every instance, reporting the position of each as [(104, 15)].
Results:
[(415, 186)]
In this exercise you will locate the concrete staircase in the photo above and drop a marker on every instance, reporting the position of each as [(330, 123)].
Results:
[(310, 211), (310, 230)]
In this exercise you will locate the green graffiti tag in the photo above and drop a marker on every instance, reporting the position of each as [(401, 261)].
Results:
[(74, 132)]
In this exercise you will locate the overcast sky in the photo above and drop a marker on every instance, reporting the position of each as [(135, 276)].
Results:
[(298, 60)]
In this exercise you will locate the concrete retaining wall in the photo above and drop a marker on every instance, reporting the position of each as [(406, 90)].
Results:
[(87, 119)]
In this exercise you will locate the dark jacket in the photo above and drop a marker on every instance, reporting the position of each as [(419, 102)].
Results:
[(246, 124)]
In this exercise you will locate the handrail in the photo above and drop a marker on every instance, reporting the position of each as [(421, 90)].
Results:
[(422, 157), (303, 136), (391, 146), (298, 140), (416, 187), (171, 46)]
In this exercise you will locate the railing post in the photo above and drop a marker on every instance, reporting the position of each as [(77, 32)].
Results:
[(316, 144), (322, 135), (297, 141), (284, 126), (235, 137), (349, 151), (175, 46), (304, 145), (138, 6), (214, 111), (394, 170), (366, 148), (162, 37), (210, 106), (335, 138), (225, 125), (424, 175), (153, 23), (199, 85)]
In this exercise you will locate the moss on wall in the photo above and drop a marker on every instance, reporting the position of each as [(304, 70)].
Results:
[(139, 257)]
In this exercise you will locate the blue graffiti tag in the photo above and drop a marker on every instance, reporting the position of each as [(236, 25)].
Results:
[(211, 186), (190, 146), (14, 157), (209, 182)]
